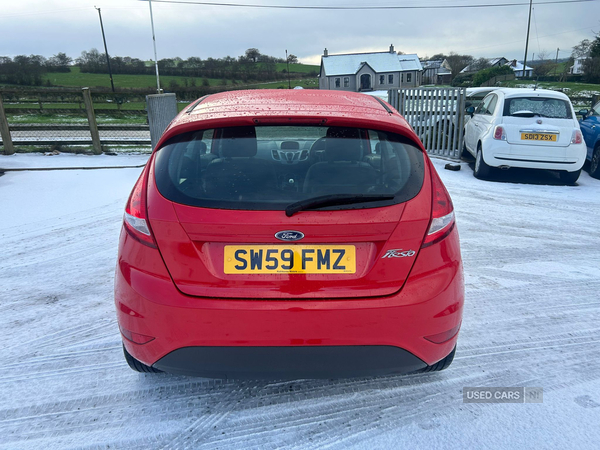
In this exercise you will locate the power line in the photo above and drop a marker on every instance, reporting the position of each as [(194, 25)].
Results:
[(368, 8), (470, 49), (46, 12)]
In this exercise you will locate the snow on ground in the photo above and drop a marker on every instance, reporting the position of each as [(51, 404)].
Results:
[(63, 160), (532, 267)]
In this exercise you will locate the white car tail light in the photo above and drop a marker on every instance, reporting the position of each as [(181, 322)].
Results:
[(576, 137), (499, 133)]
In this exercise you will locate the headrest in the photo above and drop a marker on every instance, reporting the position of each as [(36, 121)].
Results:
[(201, 147), (378, 148), (343, 144), (238, 141)]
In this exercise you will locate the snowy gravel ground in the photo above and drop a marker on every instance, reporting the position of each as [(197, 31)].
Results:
[(68, 160), (532, 264)]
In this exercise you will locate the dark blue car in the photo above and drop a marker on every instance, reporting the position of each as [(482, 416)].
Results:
[(590, 128)]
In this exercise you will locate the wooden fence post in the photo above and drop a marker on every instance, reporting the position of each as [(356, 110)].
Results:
[(89, 109), (5, 131)]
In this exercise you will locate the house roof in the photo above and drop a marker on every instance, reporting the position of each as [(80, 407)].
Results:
[(432, 64), (380, 62), (410, 62), (516, 65), (436, 65)]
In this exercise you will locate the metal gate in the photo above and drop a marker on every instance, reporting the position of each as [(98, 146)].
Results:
[(436, 114)]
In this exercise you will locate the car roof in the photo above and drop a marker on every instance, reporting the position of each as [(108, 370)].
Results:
[(278, 102), (296, 106), (521, 92), (477, 90)]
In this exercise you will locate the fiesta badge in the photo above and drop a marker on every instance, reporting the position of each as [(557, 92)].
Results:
[(289, 235)]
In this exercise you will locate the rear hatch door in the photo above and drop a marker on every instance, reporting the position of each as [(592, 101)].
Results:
[(348, 251)]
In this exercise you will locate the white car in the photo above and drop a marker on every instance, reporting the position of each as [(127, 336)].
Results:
[(529, 128)]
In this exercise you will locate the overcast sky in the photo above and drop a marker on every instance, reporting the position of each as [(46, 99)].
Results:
[(71, 26)]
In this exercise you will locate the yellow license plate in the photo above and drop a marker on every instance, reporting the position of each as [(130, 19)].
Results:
[(240, 259), (538, 137)]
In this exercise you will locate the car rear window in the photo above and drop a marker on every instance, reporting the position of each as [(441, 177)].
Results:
[(537, 106), (269, 167)]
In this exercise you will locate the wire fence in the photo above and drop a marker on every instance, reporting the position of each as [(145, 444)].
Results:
[(80, 132), (61, 134)]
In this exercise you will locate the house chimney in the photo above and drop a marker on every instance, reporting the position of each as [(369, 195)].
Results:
[(325, 53), (391, 48)]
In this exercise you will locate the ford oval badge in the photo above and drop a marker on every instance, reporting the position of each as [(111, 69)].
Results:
[(289, 235)]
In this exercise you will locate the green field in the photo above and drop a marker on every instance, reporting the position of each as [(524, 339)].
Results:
[(298, 68), (307, 83), (78, 79)]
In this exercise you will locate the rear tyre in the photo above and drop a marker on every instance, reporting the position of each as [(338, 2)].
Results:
[(569, 178), (137, 365), (464, 153), (595, 163), (440, 365), (482, 170)]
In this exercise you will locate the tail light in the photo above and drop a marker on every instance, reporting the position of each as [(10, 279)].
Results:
[(499, 133), (576, 137), (442, 212), (135, 218)]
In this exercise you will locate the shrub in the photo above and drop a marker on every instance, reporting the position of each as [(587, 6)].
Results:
[(484, 75)]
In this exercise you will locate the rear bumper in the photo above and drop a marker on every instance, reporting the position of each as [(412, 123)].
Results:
[(289, 362), (216, 337), (500, 153)]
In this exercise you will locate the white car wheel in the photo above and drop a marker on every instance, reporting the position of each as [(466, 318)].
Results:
[(482, 170)]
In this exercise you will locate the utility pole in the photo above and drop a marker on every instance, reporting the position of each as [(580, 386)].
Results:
[(527, 40), (287, 62), (556, 62), (158, 91), (112, 84)]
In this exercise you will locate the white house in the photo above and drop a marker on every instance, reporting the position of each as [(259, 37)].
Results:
[(359, 72), (577, 67), (517, 68)]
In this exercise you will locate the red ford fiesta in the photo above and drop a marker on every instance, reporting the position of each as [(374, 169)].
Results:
[(288, 234)]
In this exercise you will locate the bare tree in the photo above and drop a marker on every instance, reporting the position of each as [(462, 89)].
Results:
[(582, 49), (479, 64), (457, 62), (543, 55)]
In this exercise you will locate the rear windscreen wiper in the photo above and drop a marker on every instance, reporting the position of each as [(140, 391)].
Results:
[(332, 200)]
